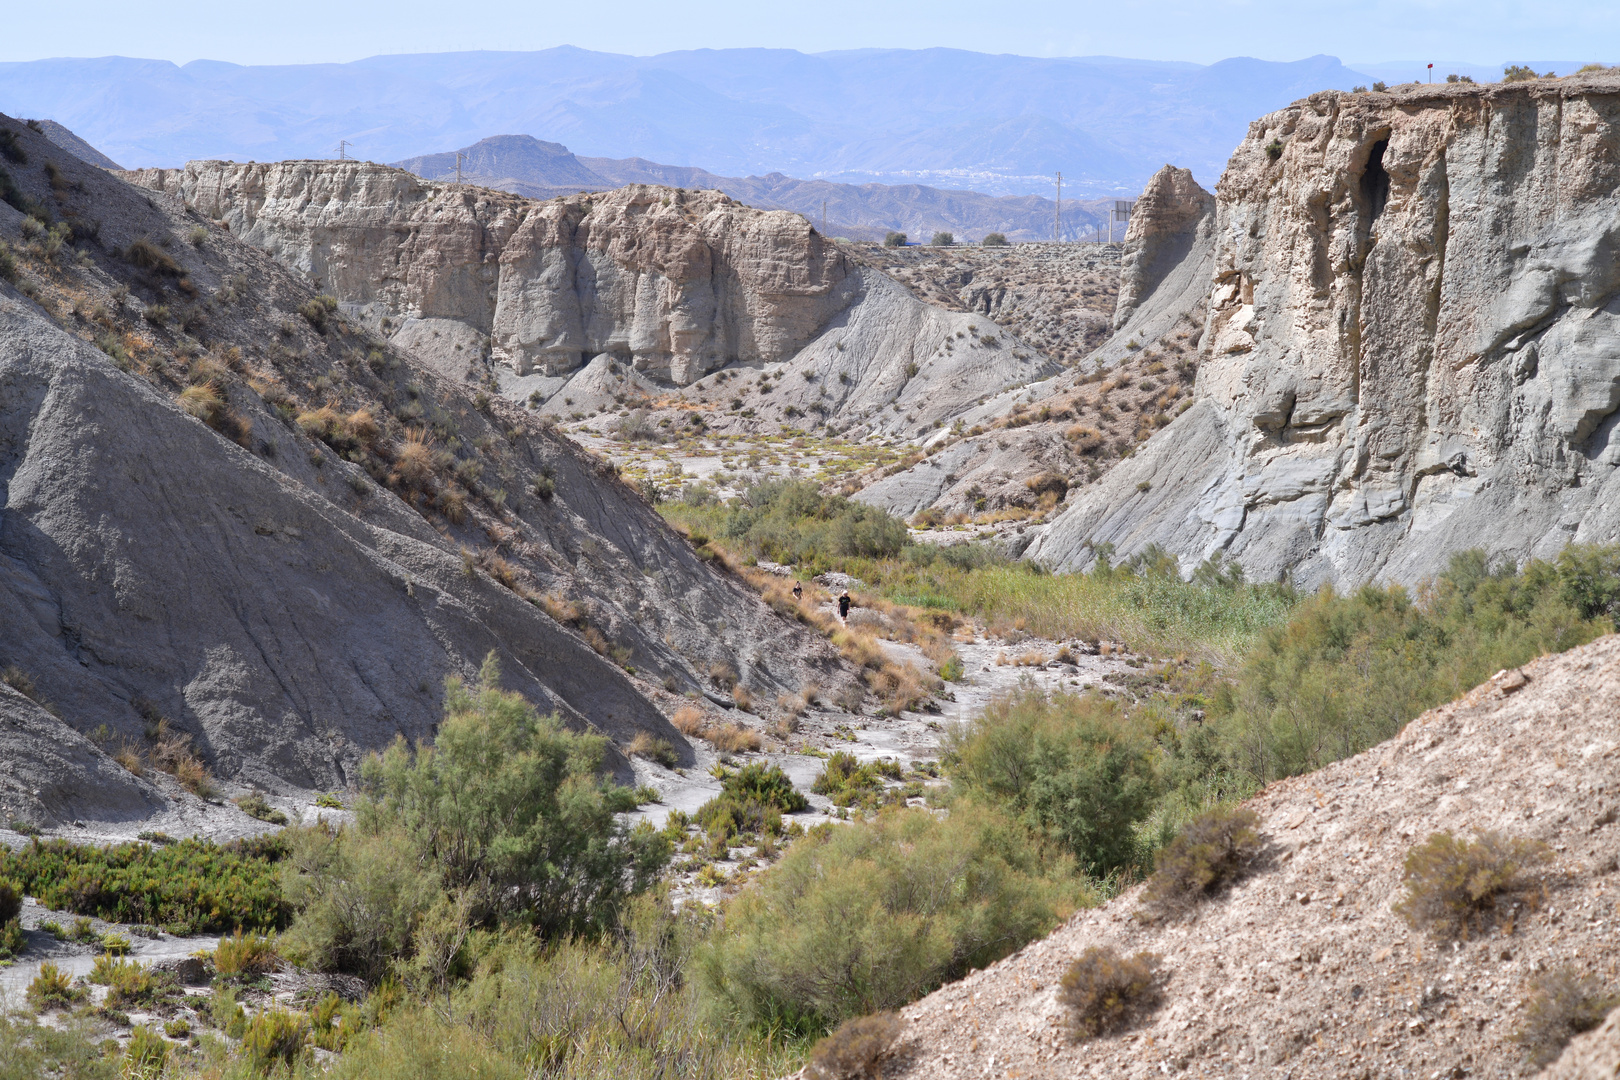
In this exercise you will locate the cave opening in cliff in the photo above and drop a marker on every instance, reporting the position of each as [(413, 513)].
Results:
[(1375, 181)]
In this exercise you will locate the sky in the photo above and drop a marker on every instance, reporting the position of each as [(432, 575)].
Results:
[(1487, 32)]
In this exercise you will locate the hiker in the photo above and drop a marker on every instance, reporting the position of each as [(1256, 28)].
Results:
[(798, 592), (843, 606)]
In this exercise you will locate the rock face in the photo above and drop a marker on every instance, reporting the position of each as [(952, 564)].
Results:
[(674, 283), (1412, 344), (1302, 968), (288, 603)]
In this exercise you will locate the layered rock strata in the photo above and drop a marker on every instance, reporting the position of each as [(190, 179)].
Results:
[(673, 284), (1412, 345)]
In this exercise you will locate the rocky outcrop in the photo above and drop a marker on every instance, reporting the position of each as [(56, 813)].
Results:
[(1411, 345), (1303, 968), (675, 283), (672, 284)]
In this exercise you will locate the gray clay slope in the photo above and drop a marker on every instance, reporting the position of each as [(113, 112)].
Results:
[(271, 600)]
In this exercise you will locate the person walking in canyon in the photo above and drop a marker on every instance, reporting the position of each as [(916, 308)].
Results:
[(798, 591), (843, 607)]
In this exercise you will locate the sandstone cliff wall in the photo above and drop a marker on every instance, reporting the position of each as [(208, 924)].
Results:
[(677, 283), (1411, 348)]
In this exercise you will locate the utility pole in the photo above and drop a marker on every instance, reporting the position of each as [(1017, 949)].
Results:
[(1057, 217), (458, 168), (343, 149), (823, 217)]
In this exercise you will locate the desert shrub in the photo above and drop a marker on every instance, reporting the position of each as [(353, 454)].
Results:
[(752, 801), (198, 236), (254, 805), (510, 804), (246, 954), (332, 1022), (11, 900), (943, 239), (318, 312), (144, 254), (856, 1048), (146, 1055), (994, 239), (329, 801), (847, 782), (190, 887), (10, 149), (1211, 851), (1347, 672), (1071, 766), (1510, 74), (653, 749), (53, 988), (871, 916), (275, 1037), (790, 521), (1460, 887), (894, 239), (1105, 992), (1562, 1004), (12, 939)]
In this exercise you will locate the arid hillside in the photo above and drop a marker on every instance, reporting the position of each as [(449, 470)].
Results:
[(242, 531), (1304, 968)]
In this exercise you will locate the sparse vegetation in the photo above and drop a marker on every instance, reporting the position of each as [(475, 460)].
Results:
[(894, 239), (1460, 887), (1105, 992), (653, 749), (1211, 851), (994, 239), (146, 255), (246, 954), (847, 782), (1562, 1004), (751, 803), (52, 988), (254, 804), (943, 239)]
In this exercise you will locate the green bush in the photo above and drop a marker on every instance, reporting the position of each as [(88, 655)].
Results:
[(1562, 1004), (894, 239), (359, 894), (146, 1055), (11, 149), (150, 257), (943, 239), (751, 802), (994, 239), (856, 1048), (52, 988), (1460, 887), (246, 954), (790, 521), (1105, 992), (190, 887), (254, 805), (275, 1037), (510, 804), (11, 900), (872, 916), (1211, 851), (847, 782), (1348, 672), (12, 939), (1074, 767)]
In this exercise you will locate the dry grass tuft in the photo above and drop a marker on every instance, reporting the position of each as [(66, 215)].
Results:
[(731, 738), (688, 720), (646, 745)]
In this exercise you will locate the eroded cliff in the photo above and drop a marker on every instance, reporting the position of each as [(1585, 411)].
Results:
[(1411, 345)]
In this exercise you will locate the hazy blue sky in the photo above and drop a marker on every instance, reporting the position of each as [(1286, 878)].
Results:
[(301, 31)]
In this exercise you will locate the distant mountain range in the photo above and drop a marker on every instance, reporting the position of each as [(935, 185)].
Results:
[(527, 166), (941, 117)]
